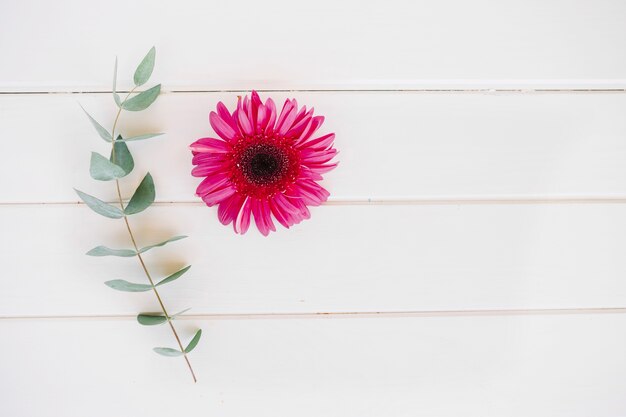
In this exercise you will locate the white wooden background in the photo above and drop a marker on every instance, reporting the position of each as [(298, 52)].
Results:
[(469, 263)]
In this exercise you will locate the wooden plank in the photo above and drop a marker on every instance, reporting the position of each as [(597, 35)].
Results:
[(392, 146), (447, 366), (345, 259), (281, 45)]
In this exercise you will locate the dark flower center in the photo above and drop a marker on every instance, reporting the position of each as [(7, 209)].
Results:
[(266, 165), (263, 164)]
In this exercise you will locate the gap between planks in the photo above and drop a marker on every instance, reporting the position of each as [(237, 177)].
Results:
[(486, 90), (346, 315), (444, 201)]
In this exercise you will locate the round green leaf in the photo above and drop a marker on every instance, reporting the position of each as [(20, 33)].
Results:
[(121, 156), (102, 169), (142, 100), (151, 319), (142, 137), (172, 239), (104, 251), (122, 285), (167, 351), (194, 341), (143, 197), (174, 276), (104, 134), (144, 70), (100, 206)]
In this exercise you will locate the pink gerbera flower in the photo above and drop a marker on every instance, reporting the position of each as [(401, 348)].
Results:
[(265, 164)]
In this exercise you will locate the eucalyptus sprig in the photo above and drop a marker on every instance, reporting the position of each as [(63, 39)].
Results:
[(117, 166)]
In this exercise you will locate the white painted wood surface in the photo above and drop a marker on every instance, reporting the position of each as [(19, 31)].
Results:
[(326, 44), (474, 236), (393, 146), (346, 259), (570, 365)]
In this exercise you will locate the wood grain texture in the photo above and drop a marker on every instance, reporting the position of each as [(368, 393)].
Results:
[(329, 44), (345, 259), (554, 366), (392, 146), (489, 194)]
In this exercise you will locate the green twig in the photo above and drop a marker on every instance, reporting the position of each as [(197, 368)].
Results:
[(132, 238)]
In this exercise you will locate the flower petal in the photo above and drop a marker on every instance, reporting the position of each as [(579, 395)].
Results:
[(245, 125), (317, 157), (287, 117), (262, 218), (300, 124), (265, 207), (242, 221), (211, 183), (280, 214), (204, 157), (322, 168), (210, 145), (207, 169), (302, 113), (307, 173), (255, 104), (271, 109), (223, 112), (262, 118), (285, 204), (223, 129), (229, 208), (303, 209), (319, 193), (321, 143), (309, 195), (314, 124), (218, 195)]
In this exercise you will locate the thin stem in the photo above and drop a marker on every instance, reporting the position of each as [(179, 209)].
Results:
[(134, 242)]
